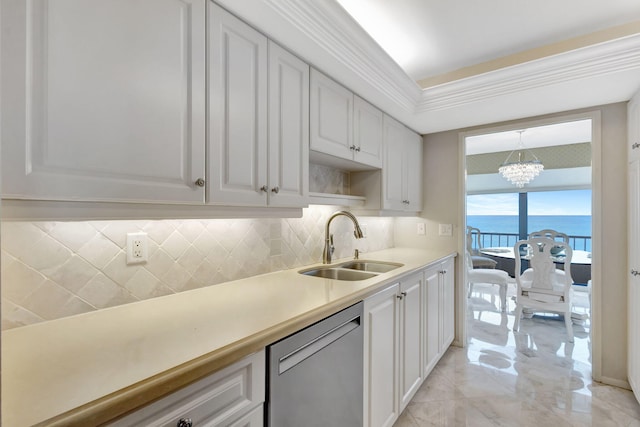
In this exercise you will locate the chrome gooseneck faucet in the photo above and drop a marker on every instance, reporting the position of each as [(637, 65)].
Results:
[(328, 238)]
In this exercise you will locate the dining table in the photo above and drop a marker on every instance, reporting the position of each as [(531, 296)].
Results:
[(580, 262)]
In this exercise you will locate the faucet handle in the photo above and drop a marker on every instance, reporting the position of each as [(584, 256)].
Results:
[(331, 247), (356, 254)]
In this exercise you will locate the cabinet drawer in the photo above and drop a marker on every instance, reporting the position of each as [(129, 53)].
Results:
[(216, 400)]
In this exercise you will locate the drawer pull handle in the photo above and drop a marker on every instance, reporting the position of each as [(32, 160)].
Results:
[(185, 422)]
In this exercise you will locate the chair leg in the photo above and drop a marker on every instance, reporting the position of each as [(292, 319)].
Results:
[(516, 323), (503, 297), (569, 323)]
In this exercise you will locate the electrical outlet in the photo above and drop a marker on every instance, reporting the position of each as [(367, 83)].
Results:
[(421, 229), (137, 248), (445, 230)]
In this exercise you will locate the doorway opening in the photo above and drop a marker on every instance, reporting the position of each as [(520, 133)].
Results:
[(560, 198)]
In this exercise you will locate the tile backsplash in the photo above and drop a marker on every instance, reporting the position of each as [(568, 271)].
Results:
[(52, 270)]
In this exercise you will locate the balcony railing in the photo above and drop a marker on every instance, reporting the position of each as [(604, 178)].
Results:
[(493, 239)]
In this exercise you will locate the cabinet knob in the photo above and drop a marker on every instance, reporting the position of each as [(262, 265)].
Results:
[(185, 422), (635, 145), (275, 189), (357, 149), (200, 182), (264, 188), (399, 296), (352, 147), (635, 273)]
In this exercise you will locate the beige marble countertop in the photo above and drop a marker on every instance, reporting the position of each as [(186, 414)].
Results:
[(89, 368)]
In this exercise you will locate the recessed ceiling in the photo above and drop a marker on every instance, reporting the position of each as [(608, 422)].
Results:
[(430, 38), (463, 63), (565, 133)]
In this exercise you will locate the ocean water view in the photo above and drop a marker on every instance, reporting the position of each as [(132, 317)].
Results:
[(572, 225)]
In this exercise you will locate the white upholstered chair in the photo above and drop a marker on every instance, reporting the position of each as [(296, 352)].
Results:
[(474, 235), (542, 287), (487, 275)]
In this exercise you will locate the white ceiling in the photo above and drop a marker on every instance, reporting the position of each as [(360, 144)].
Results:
[(516, 60), (433, 37), (565, 133)]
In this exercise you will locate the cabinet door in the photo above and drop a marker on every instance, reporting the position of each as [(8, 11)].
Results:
[(103, 100), (288, 129), (367, 133), (237, 158), (413, 171), (447, 283), (392, 172), (633, 113), (432, 326), (381, 354), (411, 333), (634, 278), (633, 307), (331, 117)]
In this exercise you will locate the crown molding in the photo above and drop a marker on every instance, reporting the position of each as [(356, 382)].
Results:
[(317, 29), (592, 61), (326, 36)]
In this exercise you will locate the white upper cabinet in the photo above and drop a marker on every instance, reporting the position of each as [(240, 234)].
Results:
[(288, 129), (634, 127), (413, 171), (343, 125), (633, 296), (331, 117), (402, 171), (258, 118), (393, 175), (237, 158), (367, 133), (103, 100)]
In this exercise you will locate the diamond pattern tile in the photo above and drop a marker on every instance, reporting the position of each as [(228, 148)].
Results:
[(57, 269)]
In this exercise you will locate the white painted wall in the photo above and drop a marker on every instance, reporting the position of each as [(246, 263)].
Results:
[(443, 204)]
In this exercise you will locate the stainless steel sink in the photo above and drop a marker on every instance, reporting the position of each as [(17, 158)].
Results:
[(336, 273), (372, 266)]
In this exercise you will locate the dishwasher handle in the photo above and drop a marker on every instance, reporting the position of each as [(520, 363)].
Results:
[(310, 348)]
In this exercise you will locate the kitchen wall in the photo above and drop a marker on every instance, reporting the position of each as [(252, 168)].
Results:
[(57, 269), (444, 204)]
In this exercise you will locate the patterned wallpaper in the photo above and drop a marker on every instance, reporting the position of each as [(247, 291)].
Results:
[(52, 270), (556, 157)]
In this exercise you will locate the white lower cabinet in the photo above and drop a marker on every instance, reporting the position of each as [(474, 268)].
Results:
[(407, 328), (233, 396), (381, 349), (439, 317)]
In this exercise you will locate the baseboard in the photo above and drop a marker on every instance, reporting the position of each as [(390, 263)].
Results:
[(614, 382)]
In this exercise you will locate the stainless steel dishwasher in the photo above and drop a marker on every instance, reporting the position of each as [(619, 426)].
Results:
[(315, 375)]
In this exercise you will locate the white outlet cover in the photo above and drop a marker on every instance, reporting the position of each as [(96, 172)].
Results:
[(421, 228), (137, 248)]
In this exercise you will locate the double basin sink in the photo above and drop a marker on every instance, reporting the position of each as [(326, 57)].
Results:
[(352, 270)]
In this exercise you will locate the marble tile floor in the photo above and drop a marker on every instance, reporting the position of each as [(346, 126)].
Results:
[(531, 378)]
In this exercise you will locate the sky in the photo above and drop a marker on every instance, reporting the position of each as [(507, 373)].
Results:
[(569, 202)]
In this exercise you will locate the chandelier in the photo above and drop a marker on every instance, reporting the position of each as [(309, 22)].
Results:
[(523, 171)]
